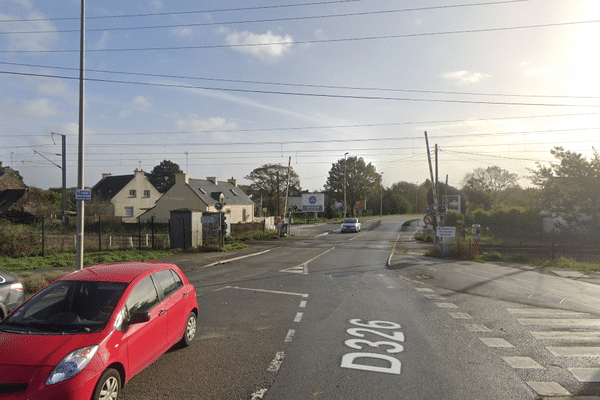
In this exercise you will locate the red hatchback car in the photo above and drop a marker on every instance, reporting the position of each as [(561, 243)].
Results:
[(88, 333)]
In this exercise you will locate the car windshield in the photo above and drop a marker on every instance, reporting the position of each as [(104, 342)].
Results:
[(350, 221), (66, 307)]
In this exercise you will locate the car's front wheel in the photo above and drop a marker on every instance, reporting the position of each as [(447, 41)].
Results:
[(108, 386), (190, 330)]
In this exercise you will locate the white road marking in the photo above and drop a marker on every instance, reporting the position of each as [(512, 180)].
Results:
[(303, 268), (574, 351), (259, 394), (298, 317), (548, 388), (569, 322), (459, 315), (522, 363), (424, 290), (496, 342), (290, 336), (434, 297), (303, 304), (586, 374), (567, 335), (276, 363), (545, 312), (446, 305), (476, 328), (262, 291)]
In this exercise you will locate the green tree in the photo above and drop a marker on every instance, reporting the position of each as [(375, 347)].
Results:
[(9, 170), (488, 185), (570, 188), (163, 175), (264, 182), (361, 180)]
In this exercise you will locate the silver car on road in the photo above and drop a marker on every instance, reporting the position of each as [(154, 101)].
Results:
[(350, 225)]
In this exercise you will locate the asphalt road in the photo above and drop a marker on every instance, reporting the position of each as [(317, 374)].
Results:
[(366, 316)]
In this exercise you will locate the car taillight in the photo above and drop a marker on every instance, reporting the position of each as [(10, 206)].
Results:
[(16, 286)]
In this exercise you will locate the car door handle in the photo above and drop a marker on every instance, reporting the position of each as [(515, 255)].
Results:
[(162, 312), (185, 295)]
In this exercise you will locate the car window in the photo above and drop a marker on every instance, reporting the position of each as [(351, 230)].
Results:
[(143, 297), (166, 281)]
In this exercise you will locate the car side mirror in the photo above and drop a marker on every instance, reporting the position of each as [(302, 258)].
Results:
[(139, 318)]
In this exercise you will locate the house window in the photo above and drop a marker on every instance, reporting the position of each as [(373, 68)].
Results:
[(146, 193), (132, 193), (129, 211)]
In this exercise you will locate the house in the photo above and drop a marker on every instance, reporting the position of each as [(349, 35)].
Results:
[(203, 195), (17, 197), (122, 196)]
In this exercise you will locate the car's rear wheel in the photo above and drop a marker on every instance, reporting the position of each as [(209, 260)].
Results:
[(190, 330), (108, 386)]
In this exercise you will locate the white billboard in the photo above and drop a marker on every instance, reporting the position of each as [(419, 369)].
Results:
[(313, 202)]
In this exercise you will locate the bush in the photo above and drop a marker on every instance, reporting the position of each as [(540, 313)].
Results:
[(18, 241)]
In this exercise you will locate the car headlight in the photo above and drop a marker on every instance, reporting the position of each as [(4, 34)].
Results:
[(72, 364)]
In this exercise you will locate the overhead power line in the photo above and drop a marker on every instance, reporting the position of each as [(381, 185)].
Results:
[(315, 41), (193, 78), (319, 95), (254, 8)]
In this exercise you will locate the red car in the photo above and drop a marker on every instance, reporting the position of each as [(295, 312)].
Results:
[(88, 333)]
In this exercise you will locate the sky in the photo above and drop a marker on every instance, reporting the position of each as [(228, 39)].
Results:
[(224, 87)]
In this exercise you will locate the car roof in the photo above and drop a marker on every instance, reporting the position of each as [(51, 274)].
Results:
[(117, 272)]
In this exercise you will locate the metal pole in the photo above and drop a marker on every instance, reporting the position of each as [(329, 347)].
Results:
[(80, 184), (381, 198)]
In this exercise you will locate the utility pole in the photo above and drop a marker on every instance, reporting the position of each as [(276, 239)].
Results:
[(80, 183), (433, 185), (345, 205)]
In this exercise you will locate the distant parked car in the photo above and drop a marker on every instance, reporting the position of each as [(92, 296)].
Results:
[(351, 225), (11, 293), (88, 333)]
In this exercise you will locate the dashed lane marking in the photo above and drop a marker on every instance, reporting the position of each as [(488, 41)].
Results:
[(446, 305), (477, 328)]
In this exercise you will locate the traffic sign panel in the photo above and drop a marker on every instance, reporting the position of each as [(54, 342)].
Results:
[(428, 219), (83, 194), (445, 231)]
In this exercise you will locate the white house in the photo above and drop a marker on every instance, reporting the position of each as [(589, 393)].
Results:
[(203, 195)]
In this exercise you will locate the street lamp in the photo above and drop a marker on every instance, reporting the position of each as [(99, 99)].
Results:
[(345, 208)]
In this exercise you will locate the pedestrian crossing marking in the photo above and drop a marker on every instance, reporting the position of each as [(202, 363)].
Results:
[(568, 322), (477, 328), (459, 315), (574, 351), (522, 363), (586, 374), (496, 342), (548, 388), (446, 305), (545, 312), (566, 335)]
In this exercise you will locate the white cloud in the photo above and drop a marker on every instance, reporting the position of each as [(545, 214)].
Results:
[(185, 32), (144, 102), (39, 107), (26, 18), (203, 125), (125, 114), (266, 47), (464, 77), (101, 43)]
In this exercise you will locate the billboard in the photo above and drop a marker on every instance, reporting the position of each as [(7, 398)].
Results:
[(313, 202)]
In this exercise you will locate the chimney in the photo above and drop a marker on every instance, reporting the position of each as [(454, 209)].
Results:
[(232, 181), (182, 178), (213, 179), (106, 174)]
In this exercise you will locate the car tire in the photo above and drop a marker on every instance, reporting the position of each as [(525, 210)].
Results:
[(108, 386), (190, 330)]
